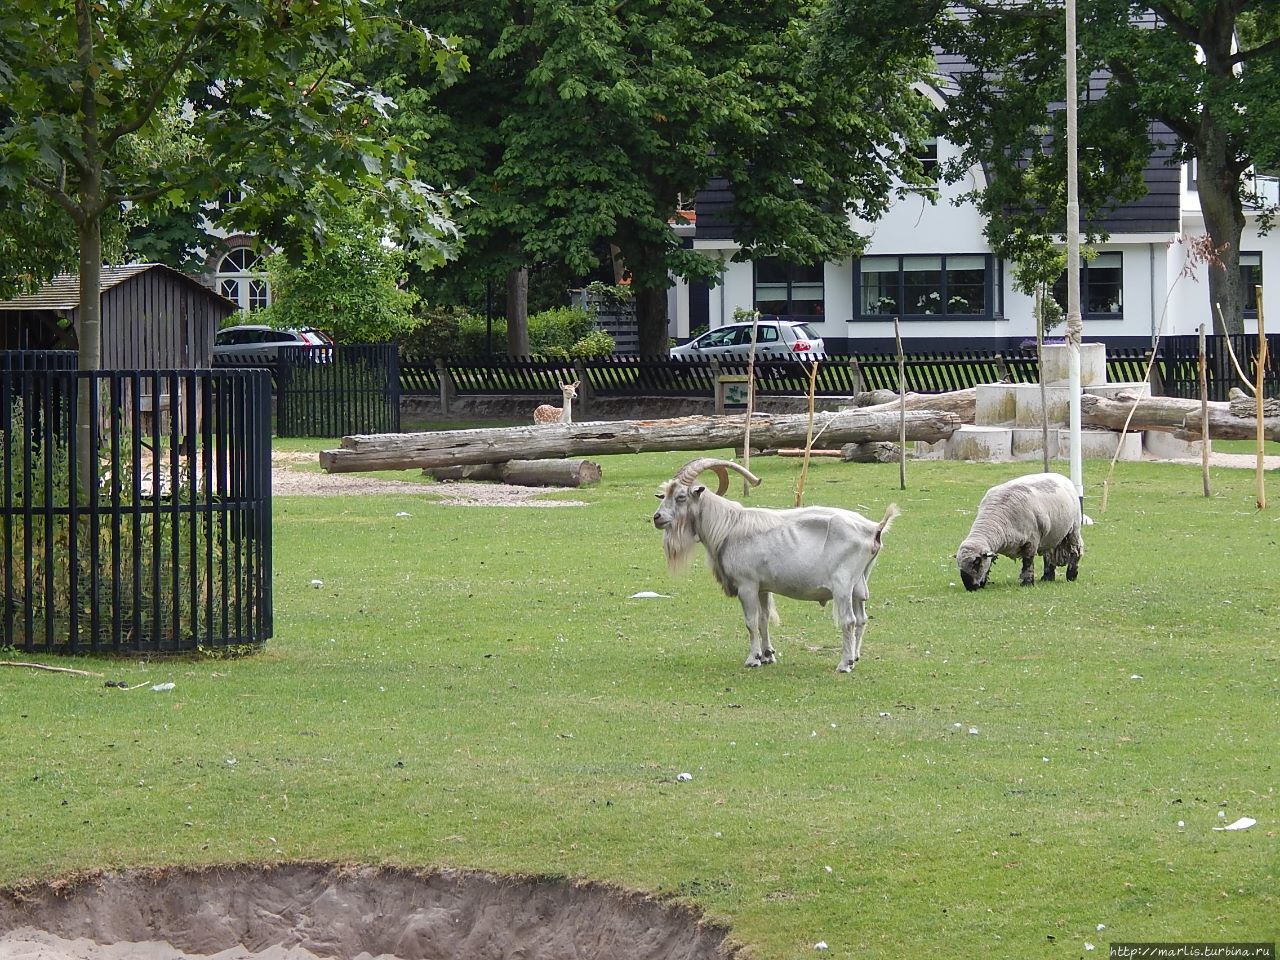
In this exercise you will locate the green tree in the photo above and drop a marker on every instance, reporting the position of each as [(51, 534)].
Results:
[(351, 287), (1203, 68), (258, 89), (583, 127), (85, 86)]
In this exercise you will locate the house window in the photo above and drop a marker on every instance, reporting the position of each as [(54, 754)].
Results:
[(241, 279), (952, 286), (787, 290), (928, 156), (1101, 287), (1250, 280)]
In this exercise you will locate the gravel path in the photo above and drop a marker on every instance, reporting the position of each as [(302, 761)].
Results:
[(289, 482)]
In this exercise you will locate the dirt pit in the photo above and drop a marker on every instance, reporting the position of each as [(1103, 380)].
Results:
[(302, 911)]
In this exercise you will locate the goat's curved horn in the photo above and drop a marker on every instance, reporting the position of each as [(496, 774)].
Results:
[(689, 472)]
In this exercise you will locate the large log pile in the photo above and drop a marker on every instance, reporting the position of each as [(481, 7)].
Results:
[(403, 451)]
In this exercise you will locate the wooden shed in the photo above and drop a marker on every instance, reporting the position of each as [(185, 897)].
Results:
[(153, 317)]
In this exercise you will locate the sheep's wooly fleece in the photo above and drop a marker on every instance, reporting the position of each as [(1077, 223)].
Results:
[(307, 911)]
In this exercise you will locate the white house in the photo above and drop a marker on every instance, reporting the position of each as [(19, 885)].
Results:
[(930, 264)]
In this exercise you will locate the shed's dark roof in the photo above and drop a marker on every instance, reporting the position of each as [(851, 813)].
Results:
[(63, 291)]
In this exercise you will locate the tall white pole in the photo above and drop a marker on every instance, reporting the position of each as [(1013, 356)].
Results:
[(1074, 324)]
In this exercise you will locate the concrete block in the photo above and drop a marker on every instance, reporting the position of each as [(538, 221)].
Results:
[(1093, 363), (1101, 445), (924, 450), (1056, 398), (984, 444), (995, 404), (1136, 388), (1165, 446), (1028, 443)]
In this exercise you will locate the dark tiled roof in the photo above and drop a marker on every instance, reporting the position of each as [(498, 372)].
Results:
[(63, 291)]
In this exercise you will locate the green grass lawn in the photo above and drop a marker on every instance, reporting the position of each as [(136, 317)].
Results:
[(474, 687)]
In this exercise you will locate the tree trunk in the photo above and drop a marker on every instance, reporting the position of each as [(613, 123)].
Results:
[(518, 312), (651, 321), (525, 473), (404, 451), (89, 342), (1224, 425), (1218, 182), (1149, 413), (89, 229), (878, 451), (960, 402)]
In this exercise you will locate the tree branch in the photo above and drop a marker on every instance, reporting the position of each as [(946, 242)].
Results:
[(1181, 26), (180, 59), (1244, 56), (1186, 131), (60, 197), (143, 196)]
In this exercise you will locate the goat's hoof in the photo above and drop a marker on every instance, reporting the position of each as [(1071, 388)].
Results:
[(846, 666), (752, 662), (1072, 574), (769, 656), (1028, 583)]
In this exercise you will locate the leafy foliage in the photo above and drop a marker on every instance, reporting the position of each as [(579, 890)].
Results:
[(350, 288), (156, 103), (582, 128), (1174, 62)]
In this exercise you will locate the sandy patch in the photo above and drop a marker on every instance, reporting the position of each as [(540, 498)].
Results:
[(287, 482), (303, 911)]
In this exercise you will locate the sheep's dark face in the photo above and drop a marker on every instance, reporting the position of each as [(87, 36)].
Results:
[(975, 566)]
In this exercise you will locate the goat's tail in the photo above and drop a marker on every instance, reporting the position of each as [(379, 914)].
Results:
[(886, 523)]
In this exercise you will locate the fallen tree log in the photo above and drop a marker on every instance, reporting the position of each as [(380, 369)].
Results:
[(525, 473), (1224, 425), (1149, 413), (877, 451), (961, 402), (404, 451)]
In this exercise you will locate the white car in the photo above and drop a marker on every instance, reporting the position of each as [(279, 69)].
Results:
[(260, 341), (775, 339)]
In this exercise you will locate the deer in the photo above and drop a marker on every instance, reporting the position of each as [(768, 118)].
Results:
[(546, 413)]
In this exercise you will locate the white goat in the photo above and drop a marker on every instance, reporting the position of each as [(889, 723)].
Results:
[(546, 413), (1038, 514), (806, 553)]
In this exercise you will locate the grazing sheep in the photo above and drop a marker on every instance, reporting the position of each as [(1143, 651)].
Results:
[(546, 413), (1035, 514), (806, 553)]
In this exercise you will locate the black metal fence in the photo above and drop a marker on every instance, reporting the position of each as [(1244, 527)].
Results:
[(1179, 364), (1174, 372), (339, 390), (330, 391), (147, 531)]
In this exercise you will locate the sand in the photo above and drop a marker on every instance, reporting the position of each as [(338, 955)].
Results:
[(317, 911)]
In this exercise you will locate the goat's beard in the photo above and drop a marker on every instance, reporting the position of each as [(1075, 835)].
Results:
[(679, 541)]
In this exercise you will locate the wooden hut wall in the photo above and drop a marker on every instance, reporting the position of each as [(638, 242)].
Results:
[(33, 330), (158, 320)]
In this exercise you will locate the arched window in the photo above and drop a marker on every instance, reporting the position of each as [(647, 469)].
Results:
[(240, 278)]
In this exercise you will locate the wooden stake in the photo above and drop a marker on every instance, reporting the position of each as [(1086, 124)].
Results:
[(751, 402), (902, 408), (808, 439), (1258, 398), (1204, 413)]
